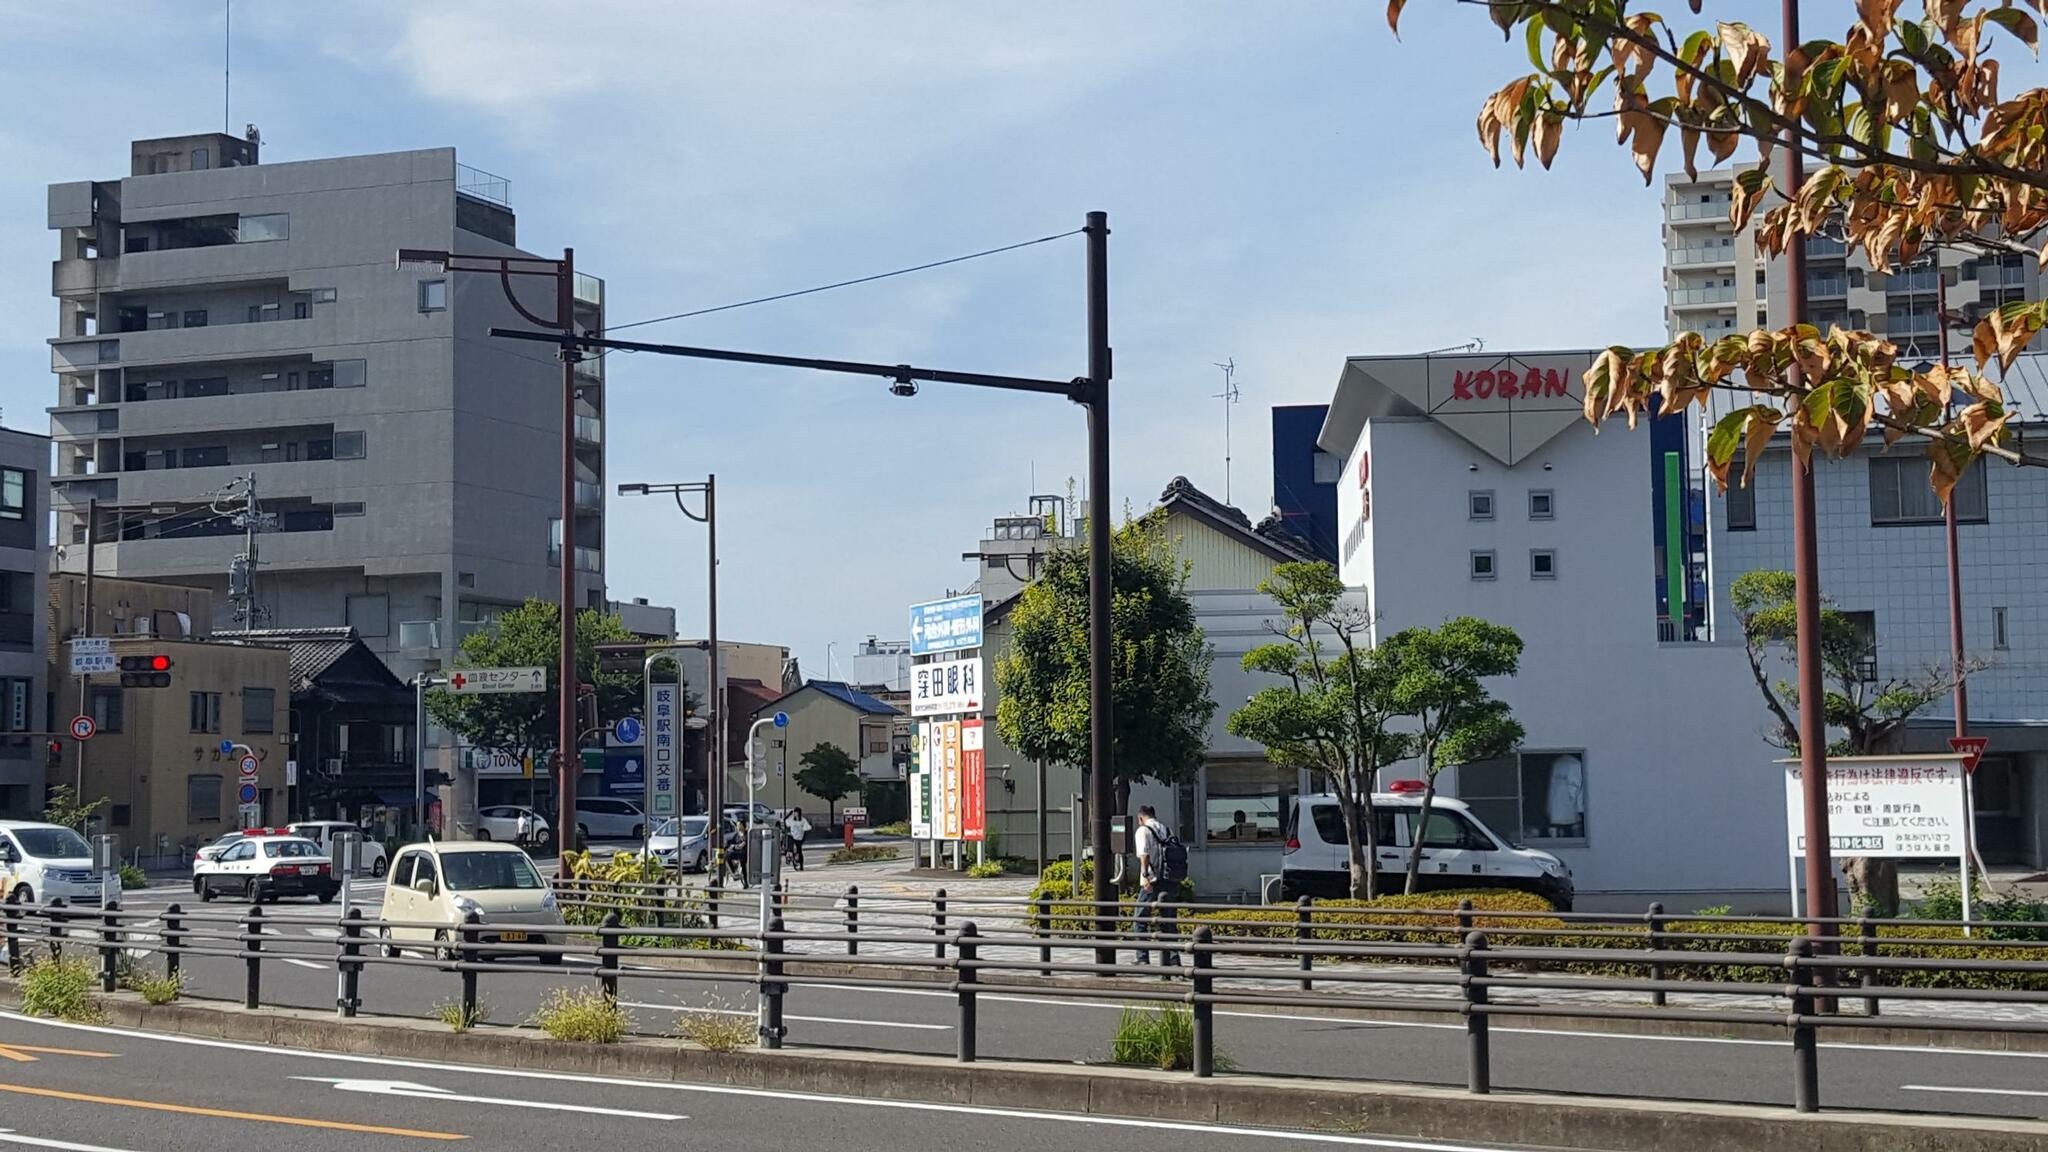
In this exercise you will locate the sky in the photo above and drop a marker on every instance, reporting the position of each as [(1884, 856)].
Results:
[(1287, 184)]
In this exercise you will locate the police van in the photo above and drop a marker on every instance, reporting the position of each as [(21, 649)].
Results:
[(1458, 851)]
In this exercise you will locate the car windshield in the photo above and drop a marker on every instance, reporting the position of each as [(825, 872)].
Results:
[(282, 848), (483, 871), (52, 843), (694, 826)]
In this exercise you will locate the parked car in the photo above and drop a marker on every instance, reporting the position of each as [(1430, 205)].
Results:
[(370, 858), (227, 840), (763, 814), (501, 822), (264, 868), (604, 818), (1459, 851), (45, 862), (434, 885), (691, 850)]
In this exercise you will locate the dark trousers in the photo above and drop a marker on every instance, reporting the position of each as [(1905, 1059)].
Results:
[(1158, 901)]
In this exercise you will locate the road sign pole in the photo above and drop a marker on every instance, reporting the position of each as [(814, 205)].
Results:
[(419, 750)]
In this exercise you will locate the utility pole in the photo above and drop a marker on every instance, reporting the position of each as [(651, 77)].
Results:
[(250, 518), (1099, 569), (567, 755), (92, 530)]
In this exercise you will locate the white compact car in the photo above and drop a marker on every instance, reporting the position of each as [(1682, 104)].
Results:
[(501, 822), (370, 859), (264, 868), (690, 851), (434, 885), (44, 862), (606, 818)]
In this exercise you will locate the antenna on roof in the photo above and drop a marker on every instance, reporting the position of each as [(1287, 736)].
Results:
[(1475, 344), (227, 60), (1229, 396)]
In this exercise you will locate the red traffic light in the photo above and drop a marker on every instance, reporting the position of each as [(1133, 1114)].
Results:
[(153, 671), (159, 663)]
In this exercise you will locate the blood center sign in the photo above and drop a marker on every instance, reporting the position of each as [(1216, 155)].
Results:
[(1885, 806)]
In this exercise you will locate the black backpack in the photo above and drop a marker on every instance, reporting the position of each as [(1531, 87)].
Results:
[(1172, 867)]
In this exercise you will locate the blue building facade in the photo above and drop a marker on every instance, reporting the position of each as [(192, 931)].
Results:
[(1305, 477)]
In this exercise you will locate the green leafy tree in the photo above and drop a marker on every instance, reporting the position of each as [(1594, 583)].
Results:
[(1159, 682), (1331, 715), (61, 806), (830, 773), (1436, 678), (522, 723)]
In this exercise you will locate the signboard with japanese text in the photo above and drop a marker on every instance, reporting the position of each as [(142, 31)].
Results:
[(973, 797), (470, 681), (90, 655), (945, 625), (921, 782), (1885, 806), (948, 809), (664, 752), (946, 688)]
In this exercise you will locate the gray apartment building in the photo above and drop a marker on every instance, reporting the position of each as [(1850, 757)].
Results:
[(25, 709), (227, 324)]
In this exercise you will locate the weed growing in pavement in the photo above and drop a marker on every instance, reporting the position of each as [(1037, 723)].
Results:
[(132, 878), (157, 990), (62, 989), (450, 1012), (583, 1015), (860, 853), (717, 1028), (986, 870), (1162, 1037)]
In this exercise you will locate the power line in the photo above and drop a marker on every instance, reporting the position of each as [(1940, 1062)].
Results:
[(843, 283)]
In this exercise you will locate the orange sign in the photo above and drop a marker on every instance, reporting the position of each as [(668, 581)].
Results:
[(973, 798)]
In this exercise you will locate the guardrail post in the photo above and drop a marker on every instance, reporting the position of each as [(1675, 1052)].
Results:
[(607, 955), (1464, 918), (1203, 1011), (56, 915), (1478, 1044), (252, 927), (1302, 918), (1805, 1053), (174, 939), (852, 919), (12, 914), (1653, 939), (466, 936), (1043, 914), (965, 964), (772, 986), (1866, 940), (939, 923), (110, 935), (349, 963)]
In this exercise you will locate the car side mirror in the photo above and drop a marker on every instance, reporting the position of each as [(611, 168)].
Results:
[(424, 886)]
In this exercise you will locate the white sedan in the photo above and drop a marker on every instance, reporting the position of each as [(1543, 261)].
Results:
[(501, 822), (263, 868)]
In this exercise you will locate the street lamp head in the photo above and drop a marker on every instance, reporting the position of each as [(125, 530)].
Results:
[(903, 385), (428, 258), (632, 489), (696, 723)]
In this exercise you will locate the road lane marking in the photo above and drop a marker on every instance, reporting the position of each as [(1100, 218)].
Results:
[(224, 1114), (805, 1019), (428, 1092), (1971, 1091), (10, 1136), (19, 1053)]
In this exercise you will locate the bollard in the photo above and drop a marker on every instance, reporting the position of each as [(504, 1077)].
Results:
[(12, 913), (852, 919), (252, 927), (714, 887), (1654, 940), (966, 949), (1478, 1045), (466, 939), (1204, 1012), (174, 939), (1302, 932), (772, 987), (1805, 1053), (110, 950), (350, 963), (56, 915), (1043, 914), (939, 923), (607, 955), (1866, 939)]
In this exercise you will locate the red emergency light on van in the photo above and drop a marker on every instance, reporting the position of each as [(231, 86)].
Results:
[(1406, 787)]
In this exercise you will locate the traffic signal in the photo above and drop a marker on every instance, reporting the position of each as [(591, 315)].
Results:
[(146, 671), (621, 659)]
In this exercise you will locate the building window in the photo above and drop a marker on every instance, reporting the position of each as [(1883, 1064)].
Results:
[(204, 711), (195, 318), (1542, 504), (254, 229), (1482, 565), (348, 445), (106, 709), (13, 494), (300, 310), (1998, 635), (1863, 635), (369, 615), (120, 815), (200, 160), (259, 711), (15, 691), (323, 296), (1529, 796), (348, 508), (1327, 467), (1739, 500), (347, 373), (1479, 505), (202, 799), (433, 295), (1900, 493), (1247, 803), (1542, 564)]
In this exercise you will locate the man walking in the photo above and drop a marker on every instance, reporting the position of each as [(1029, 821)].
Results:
[(1162, 865)]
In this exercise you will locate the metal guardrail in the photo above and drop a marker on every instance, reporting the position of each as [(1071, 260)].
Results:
[(1271, 956)]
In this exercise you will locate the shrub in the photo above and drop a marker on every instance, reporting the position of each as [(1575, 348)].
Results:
[(1162, 1037), (860, 853), (62, 989), (893, 828), (986, 870), (157, 990), (717, 1028), (582, 1015), (2005, 914), (1056, 883), (451, 1013), (132, 878)]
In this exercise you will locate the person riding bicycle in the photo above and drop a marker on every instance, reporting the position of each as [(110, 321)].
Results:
[(794, 829)]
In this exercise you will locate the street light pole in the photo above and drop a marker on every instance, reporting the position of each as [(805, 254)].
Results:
[(714, 735), (1099, 506)]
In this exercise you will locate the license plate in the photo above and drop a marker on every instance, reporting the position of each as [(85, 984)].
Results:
[(309, 870), (512, 937)]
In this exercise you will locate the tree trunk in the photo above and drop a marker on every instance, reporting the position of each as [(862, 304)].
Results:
[(1419, 833), (1371, 864), (1356, 855), (1123, 798), (1873, 885)]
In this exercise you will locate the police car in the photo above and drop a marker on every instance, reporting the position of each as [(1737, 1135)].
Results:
[(265, 865)]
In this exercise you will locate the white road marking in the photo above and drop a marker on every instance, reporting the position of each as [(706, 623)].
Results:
[(767, 1094), (10, 1136), (429, 1092), (805, 1019), (1971, 1091)]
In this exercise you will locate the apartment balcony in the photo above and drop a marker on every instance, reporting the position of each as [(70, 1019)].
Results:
[(17, 629), (588, 371), (84, 422), (1709, 296), (81, 353), (589, 430), (1688, 212), (587, 559), (72, 493), (84, 277), (232, 338), (212, 264), (418, 636), (1706, 257), (589, 496), (2001, 276), (1826, 287), (589, 290), (1825, 248)]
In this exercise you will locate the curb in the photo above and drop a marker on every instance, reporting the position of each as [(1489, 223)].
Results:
[(1396, 1111)]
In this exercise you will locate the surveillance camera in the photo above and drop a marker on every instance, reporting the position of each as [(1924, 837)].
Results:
[(903, 386)]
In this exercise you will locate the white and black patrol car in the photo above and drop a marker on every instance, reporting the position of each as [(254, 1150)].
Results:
[(261, 868)]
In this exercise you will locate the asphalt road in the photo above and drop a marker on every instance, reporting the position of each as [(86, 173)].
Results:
[(1020, 1026), (104, 1090)]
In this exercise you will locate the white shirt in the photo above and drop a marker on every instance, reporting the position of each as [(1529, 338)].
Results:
[(798, 827), (1148, 841)]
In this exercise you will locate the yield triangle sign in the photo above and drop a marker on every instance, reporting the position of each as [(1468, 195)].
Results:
[(1972, 748)]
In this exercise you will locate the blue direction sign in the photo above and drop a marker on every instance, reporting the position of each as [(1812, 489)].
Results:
[(247, 795), (945, 625), (626, 730)]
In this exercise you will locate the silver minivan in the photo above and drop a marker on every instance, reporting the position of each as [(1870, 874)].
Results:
[(1459, 850)]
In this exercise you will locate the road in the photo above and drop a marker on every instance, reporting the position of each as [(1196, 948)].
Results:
[(1021, 1026), (105, 1090)]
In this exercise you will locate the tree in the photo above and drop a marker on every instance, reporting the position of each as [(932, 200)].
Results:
[(828, 772), (1915, 152), (62, 806), (1332, 715), (523, 723), (1159, 663), (1436, 676), (1869, 713)]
